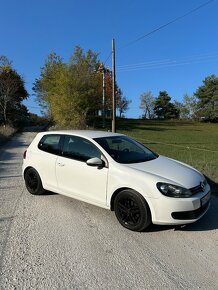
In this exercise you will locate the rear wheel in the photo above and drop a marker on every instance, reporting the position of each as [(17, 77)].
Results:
[(33, 182), (132, 210)]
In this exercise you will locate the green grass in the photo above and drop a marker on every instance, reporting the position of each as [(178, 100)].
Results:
[(191, 142)]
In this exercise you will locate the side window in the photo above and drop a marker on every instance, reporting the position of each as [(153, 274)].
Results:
[(50, 143), (79, 148)]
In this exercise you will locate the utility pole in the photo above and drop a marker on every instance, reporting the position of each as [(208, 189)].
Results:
[(103, 100), (114, 87), (103, 70)]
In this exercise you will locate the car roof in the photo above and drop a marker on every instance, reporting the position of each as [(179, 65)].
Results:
[(84, 133)]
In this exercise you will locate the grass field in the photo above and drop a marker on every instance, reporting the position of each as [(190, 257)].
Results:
[(191, 142)]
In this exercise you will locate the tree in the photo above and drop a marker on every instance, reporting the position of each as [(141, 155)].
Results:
[(122, 103), (4, 62), (180, 107), (72, 92), (108, 90), (12, 93), (164, 109), (84, 85), (48, 86), (188, 111), (207, 95), (147, 104)]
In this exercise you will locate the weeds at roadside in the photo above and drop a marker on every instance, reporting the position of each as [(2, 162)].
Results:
[(6, 133)]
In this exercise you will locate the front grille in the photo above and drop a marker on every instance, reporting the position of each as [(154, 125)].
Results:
[(196, 189)]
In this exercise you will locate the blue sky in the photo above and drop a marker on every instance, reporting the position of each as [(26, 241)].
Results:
[(176, 58)]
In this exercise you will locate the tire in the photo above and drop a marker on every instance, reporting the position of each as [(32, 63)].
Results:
[(132, 211), (33, 182)]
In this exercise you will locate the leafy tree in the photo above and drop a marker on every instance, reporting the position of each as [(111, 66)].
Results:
[(36, 120), (207, 94), (12, 93), (147, 104), (4, 62), (72, 92), (189, 108), (109, 92), (181, 108), (49, 85), (164, 109), (64, 88), (122, 103), (85, 84)]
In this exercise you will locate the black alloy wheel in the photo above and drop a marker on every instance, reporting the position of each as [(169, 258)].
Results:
[(132, 210), (33, 182)]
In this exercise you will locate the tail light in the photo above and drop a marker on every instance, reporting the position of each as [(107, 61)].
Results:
[(24, 154)]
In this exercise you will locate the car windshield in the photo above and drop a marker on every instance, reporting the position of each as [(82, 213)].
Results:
[(125, 150)]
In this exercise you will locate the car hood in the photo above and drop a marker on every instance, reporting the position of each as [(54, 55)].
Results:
[(172, 170)]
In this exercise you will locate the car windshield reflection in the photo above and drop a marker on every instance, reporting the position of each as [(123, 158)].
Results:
[(125, 150)]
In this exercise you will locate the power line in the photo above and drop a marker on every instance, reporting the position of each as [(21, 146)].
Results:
[(163, 61), (167, 63), (167, 24), (161, 27)]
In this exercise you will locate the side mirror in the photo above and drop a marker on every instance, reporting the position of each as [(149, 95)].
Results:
[(95, 162)]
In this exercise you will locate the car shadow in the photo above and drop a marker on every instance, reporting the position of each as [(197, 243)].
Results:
[(213, 186), (50, 193), (207, 223)]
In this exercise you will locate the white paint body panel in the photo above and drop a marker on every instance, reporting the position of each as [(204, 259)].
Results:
[(91, 185)]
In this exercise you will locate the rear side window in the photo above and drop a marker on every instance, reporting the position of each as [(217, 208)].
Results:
[(50, 143)]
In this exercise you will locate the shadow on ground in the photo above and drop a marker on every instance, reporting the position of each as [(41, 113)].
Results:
[(213, 186)]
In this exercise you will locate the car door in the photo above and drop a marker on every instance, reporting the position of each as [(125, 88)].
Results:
[(45, 159), (77, 179)]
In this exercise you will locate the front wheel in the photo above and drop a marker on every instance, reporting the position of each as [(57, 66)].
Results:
[(132, 211), (33, 182)]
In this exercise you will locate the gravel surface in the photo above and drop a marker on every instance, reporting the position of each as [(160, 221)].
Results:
[(54, 242)]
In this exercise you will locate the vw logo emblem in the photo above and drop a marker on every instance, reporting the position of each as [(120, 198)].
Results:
[(202, 185)]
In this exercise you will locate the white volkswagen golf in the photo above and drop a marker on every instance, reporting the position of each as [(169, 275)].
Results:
[(116, 172)]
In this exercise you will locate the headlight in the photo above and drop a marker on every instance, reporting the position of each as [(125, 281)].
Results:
[(173, 190)]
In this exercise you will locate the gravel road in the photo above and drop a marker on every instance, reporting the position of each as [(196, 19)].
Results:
[(54, 242)]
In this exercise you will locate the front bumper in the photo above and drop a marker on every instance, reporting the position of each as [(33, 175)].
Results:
[(192, 214), (175, 211)]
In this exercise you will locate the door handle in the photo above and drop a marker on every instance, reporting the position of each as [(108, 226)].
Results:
[(61, 164)]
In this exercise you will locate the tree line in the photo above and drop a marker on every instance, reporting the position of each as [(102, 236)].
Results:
[(201, 106), (71, 94)]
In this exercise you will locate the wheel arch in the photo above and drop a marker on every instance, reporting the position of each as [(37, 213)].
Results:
[(33, 181), (126, 188), (131, 209), (31, 167), (25, 170), (115, 194)]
